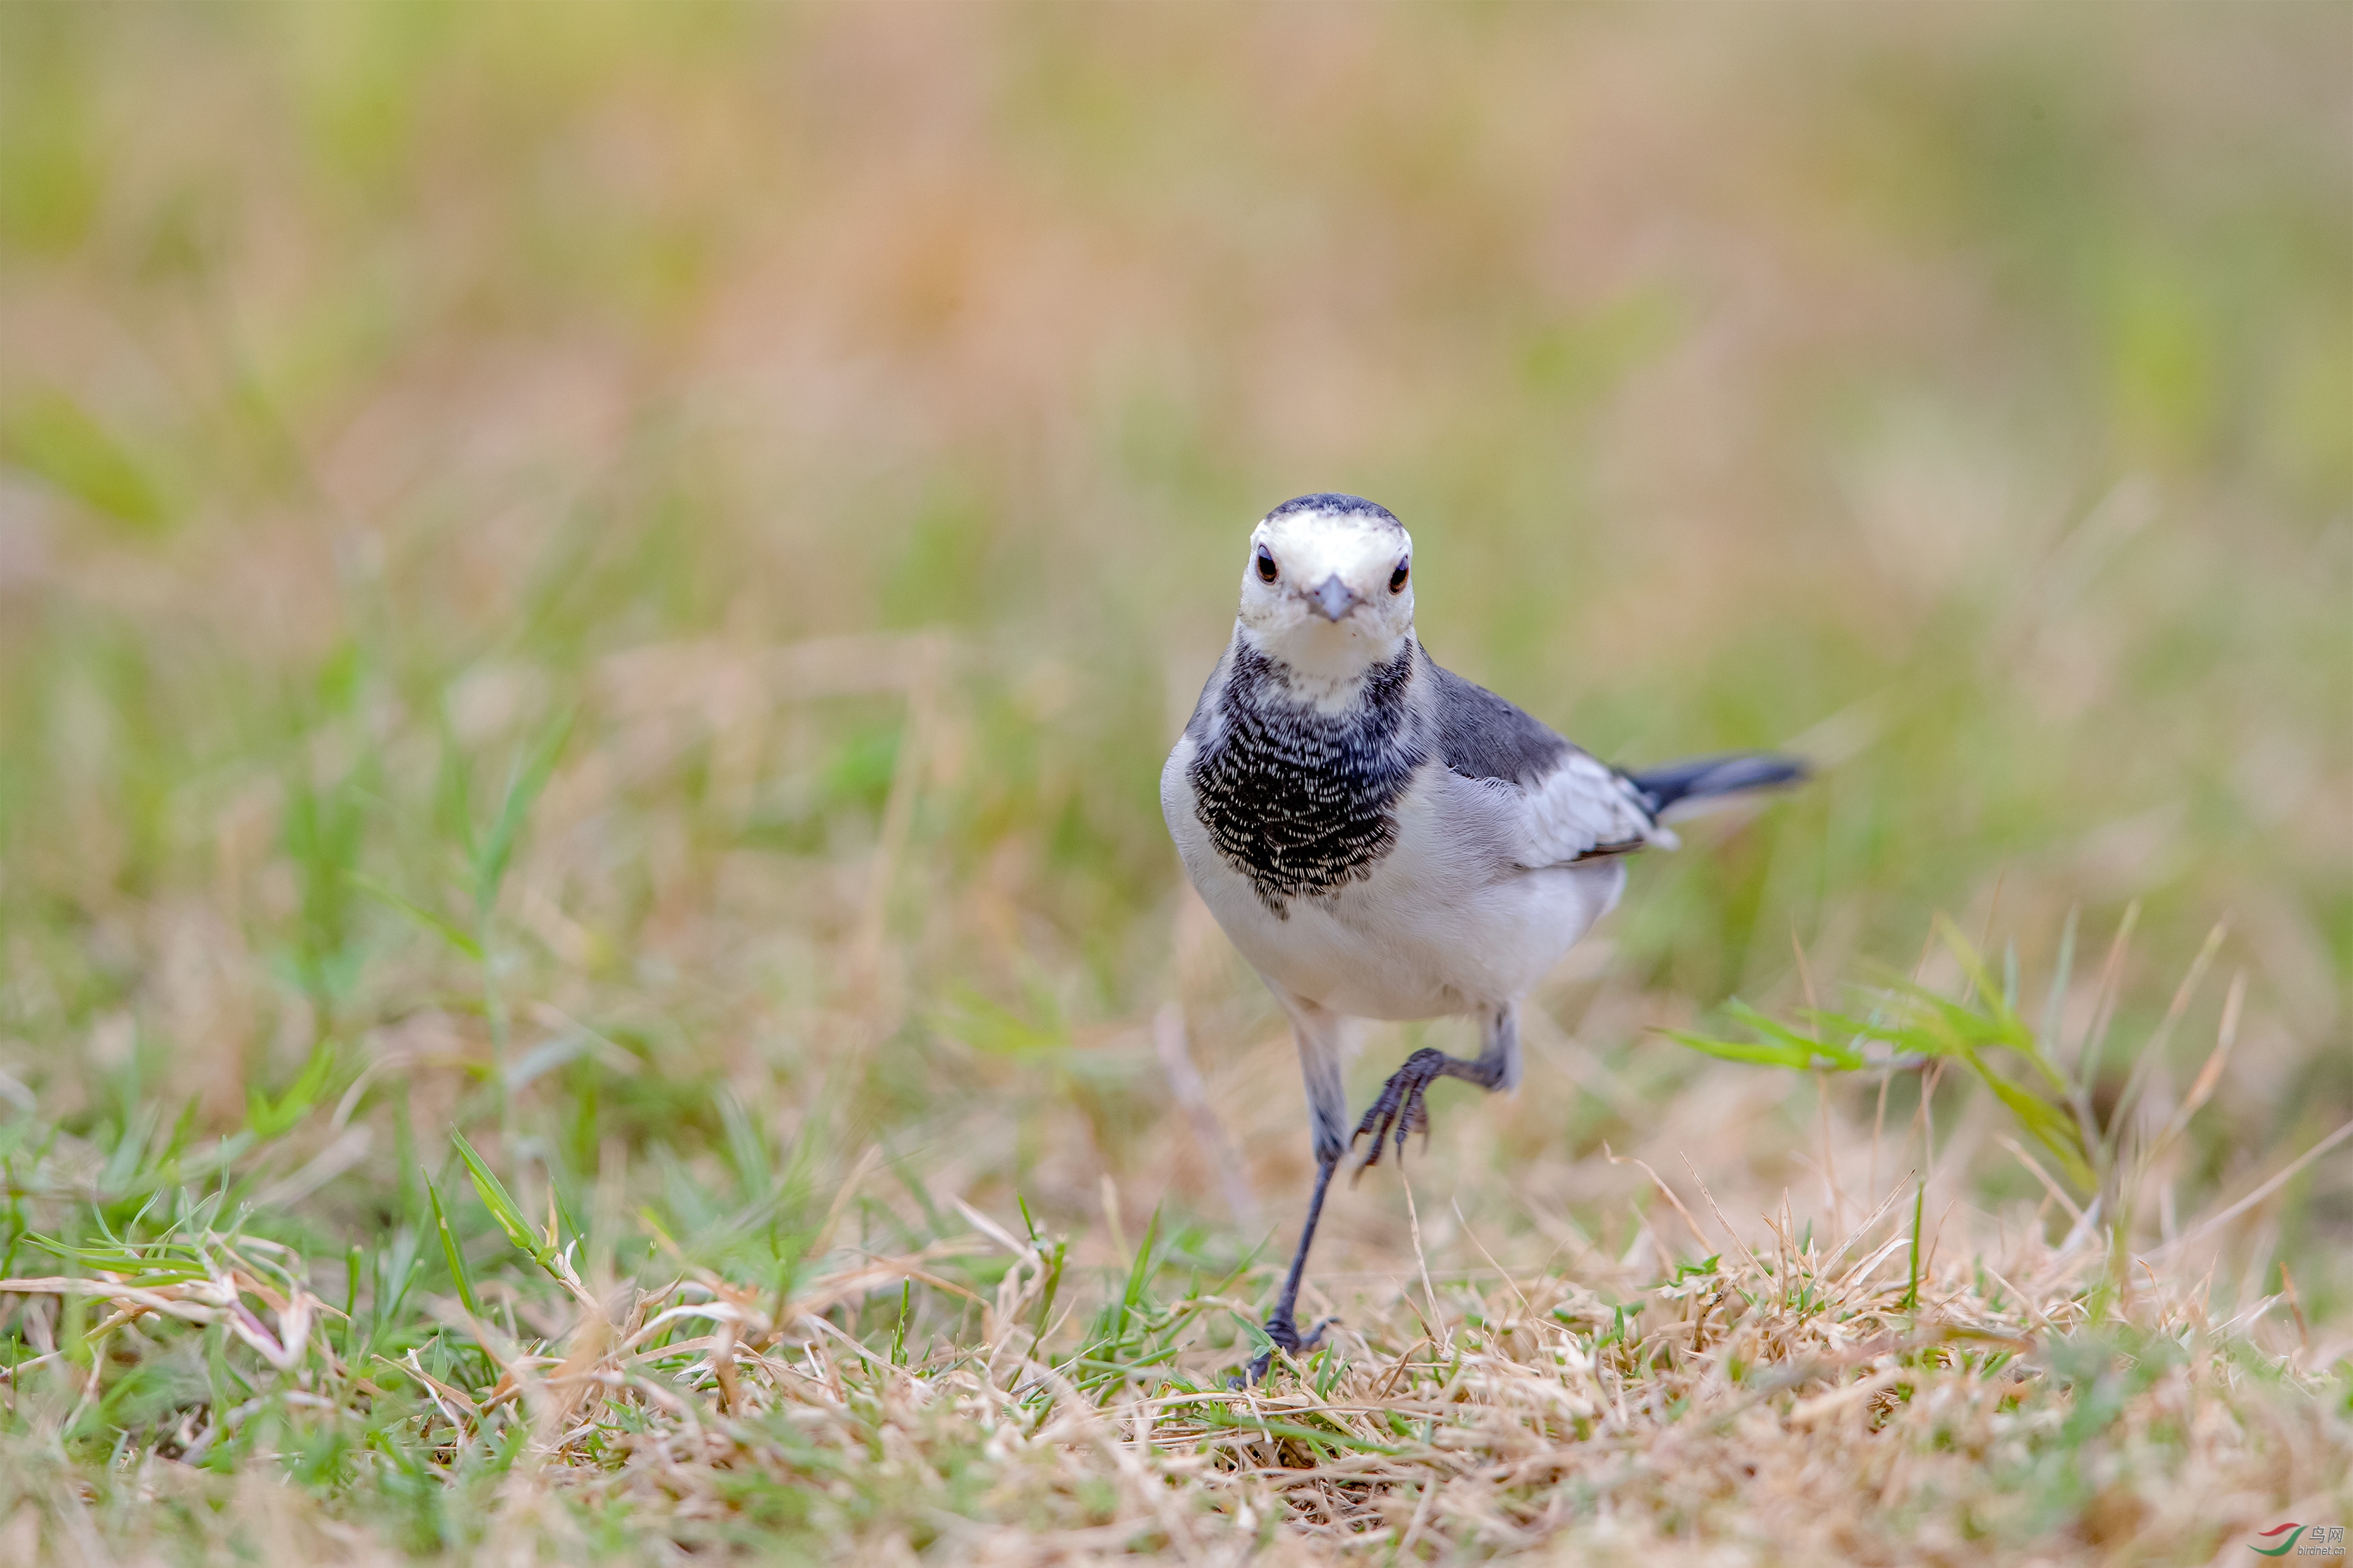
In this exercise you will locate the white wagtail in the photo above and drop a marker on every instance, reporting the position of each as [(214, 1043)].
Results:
[(1383, 839)]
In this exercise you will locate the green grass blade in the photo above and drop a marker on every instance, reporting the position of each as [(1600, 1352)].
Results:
[(501, 1202), (1817, 1051), (1219, 1415), (1751, 1052), (497, 848), (447, 930), (2062, 973), (268, 1118), (449, 1250), (1912, 1290)]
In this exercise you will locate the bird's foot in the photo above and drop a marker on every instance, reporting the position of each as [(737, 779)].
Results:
[(1287, 1338), (1400, 1108)]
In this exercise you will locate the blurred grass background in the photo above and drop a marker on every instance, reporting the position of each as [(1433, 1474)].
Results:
[(822, 439)]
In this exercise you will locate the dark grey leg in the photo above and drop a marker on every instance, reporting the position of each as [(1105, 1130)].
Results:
[(1318, 1031), (1282, 1324)]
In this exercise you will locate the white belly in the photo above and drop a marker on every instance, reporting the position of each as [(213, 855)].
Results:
[(1443, 925)]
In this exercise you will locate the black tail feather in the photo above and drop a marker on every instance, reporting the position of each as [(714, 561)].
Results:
[(1687, 783)]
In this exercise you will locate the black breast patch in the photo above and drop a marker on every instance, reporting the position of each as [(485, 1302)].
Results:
[(1301, 802)]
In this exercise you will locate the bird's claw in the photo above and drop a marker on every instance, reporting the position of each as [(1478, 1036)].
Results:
[(1400, 1110), (1287, 1338)]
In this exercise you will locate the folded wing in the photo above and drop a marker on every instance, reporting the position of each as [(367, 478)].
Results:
[(1562, 804)]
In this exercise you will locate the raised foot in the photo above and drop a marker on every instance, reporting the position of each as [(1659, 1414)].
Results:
[(1400, 1106), (1286, 1335)]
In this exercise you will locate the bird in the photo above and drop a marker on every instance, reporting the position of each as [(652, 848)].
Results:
[(1380, 838)]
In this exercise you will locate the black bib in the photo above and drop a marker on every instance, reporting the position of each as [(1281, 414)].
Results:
[(1301, 801)]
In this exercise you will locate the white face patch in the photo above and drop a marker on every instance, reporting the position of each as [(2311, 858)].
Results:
[(1321, 591)]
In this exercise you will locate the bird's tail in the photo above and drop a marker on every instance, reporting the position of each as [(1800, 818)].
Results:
[(1699, 784)]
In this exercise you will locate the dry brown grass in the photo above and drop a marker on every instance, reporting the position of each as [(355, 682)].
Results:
[(1801, 1399)]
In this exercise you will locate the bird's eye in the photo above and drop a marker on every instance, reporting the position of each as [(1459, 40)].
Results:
[(1267, 570), (1396, 579)]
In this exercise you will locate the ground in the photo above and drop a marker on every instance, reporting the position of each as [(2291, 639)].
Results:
[(591, 599)]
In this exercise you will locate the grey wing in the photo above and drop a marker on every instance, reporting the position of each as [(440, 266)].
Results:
[(1584, 810), (1481, 736), (1564, 805)]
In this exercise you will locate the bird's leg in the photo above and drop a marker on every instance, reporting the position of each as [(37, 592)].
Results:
[(1281, 1325), (1399, 1108), (1319, 1033)]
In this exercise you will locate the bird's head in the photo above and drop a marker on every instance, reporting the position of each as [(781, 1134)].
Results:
[(1328, 586)]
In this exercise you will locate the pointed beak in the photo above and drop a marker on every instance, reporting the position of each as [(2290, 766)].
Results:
[(1334, 599)]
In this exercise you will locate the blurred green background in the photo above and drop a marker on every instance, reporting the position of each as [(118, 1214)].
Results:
[(816, 445)]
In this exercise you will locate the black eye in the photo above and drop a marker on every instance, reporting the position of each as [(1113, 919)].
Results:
[(1267, 570), (1396, 579)]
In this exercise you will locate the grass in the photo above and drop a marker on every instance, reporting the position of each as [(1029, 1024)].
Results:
[(588, 967), (1830, 1396)]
